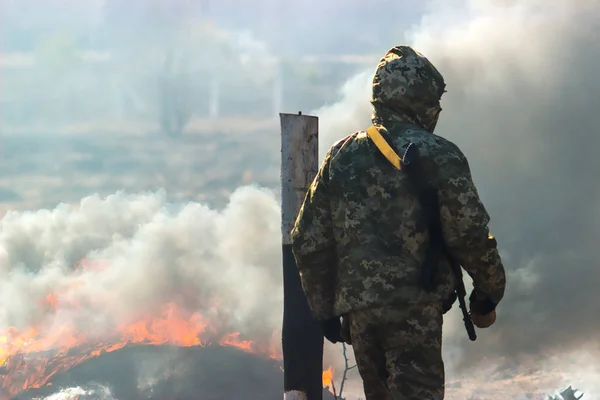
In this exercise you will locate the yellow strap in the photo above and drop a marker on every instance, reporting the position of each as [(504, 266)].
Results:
[(384, 147)]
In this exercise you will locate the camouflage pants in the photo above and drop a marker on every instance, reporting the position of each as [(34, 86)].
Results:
[(398, 351)]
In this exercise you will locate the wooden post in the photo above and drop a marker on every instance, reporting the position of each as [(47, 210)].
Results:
[(302, 337)]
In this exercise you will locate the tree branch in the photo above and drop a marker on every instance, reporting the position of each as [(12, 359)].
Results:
[(347, 368)]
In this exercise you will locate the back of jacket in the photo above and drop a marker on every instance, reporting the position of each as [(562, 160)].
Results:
[(380, 240), (358, 240)]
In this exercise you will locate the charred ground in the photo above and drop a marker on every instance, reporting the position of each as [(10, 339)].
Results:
[(177, 373)]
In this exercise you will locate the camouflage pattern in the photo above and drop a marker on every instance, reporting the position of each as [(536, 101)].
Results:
[(399, 351), (358, 240)]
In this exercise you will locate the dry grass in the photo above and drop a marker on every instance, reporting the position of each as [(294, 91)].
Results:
[(43, 170)]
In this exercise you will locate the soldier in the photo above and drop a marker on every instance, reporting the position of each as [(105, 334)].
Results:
[(360, 247)]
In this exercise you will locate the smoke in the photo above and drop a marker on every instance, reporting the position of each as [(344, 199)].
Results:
[(148, 253), (352, 113), (91, 393), (142, 60), (522, 104)]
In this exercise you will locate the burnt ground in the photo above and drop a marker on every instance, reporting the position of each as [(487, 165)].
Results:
[(174, 373)]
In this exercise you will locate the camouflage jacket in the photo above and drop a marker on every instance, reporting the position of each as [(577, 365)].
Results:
[(357, 240)]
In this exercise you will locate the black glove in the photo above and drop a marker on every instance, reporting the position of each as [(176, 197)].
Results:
[(332, 329), (481, 303)]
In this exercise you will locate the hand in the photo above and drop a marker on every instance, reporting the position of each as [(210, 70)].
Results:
[(482, 310), (483, 321), (332, 329)]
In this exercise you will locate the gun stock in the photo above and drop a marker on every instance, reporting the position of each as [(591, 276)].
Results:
[(461, 292)]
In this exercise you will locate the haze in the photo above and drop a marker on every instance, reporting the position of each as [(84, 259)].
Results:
[(92, 94)]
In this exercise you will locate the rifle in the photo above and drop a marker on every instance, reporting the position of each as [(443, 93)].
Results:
[(410, 163)]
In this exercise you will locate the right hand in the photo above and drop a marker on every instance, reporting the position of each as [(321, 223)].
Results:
[(483, 321), (482, 310)]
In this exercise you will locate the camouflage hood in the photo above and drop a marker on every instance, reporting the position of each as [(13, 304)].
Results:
[(407, 88)]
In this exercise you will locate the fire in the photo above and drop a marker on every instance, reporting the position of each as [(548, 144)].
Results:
[(328, 377), (232, 340), (29, 359), (44, 357)]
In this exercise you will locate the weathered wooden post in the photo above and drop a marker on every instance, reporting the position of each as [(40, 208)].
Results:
[(302, 337)]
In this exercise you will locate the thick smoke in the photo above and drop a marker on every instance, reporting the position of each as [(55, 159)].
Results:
[(141, 253), (521, 103)]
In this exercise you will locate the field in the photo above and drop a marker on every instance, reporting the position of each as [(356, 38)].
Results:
[(205, 164), (212, 158)]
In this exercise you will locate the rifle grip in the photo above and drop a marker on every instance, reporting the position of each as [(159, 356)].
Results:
[(471, 330)]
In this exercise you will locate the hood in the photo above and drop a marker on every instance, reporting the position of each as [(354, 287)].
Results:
[(407, 88)]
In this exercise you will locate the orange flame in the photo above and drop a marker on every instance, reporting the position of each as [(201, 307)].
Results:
[(19, 350), (29, 359), (328, 377)]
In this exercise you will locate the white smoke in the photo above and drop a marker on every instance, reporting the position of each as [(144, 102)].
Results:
[(522, 88), (350, 114), (94, 392), (151, 253)]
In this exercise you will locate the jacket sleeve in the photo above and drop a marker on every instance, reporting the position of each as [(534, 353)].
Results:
[(465, 227), (313, 245)]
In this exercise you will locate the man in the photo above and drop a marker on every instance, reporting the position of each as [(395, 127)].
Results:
[(359, 243)]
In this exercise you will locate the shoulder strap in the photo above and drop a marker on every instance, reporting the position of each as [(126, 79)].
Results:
[(384, 147)]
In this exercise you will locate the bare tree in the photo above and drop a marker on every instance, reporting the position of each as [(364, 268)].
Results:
[(155, 45), (347, 368), (174, 97)]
